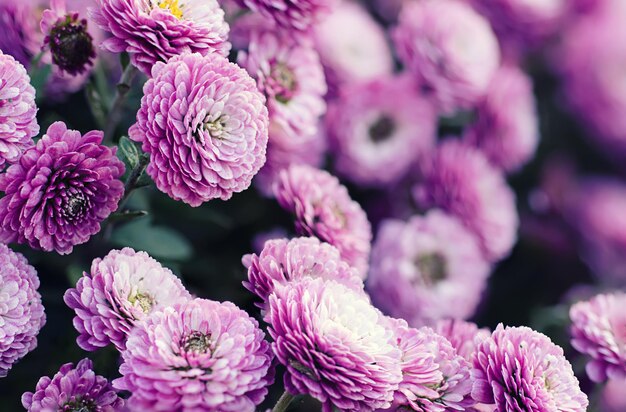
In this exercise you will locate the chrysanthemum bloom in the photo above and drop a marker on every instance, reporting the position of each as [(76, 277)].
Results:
[(283, 261), (378, 129), (521, 24), (283, 152), (507, 127), (590, 61), (434, 377), (299, 15), (70, 44), (352, 46), (60, 191), (464, 336), (18, 112), (427, 269), (197, 355), (323, 208), (123, 288), (594, 208), (21, 312), (519, 369), (598, 330), (153, 31), (334, 345), (613, 396), (453, 58), (460, 180), (73, 389), (205, 125), (288, 72)]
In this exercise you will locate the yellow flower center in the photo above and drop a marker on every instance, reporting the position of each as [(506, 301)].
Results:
[(173, 7)]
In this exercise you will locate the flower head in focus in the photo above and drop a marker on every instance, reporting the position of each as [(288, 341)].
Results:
[(521, 369), (21, 312), (122, 289), (73, 389), (60, 190), (464, 336), (205, 125), (323, 208), (18, 111), (599, 331), (211, 356)]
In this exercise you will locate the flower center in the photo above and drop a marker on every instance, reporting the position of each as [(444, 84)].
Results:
[(432, 267), (144, 301), (216, 128), (79, 404), (382, 129), (74, 206), (173, 7), (283, 82), (197, 342), (71, 45)]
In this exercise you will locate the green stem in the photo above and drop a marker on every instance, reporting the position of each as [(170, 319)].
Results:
[(115, 114), (283, 402), (133, 178)]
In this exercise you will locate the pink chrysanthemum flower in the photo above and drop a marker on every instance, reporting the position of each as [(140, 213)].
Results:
[(196, 356), (426, 269), (153, 31), (18, 112), (352, 46), (460, 180), (523, 24), (21, 312), (288, 72), (599, 331), (67, 38), (323, 208), (283, 261), (378, 129), (298, 15), (73, 389), (464, 336), (507, 127), (519, 369), (613, 396), (454, 57), (334, 345), (205, 126), (434, 377), (122, 289), (60, 190)]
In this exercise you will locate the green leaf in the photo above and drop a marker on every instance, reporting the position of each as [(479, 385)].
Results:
[(73, 272), (127, 215), (129, 152), (158, 241), (39, 77), (96, 104), (124, 60)]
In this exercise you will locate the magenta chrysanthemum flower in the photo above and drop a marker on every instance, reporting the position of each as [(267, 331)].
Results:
[(454, 58), (153, 31), (323, 208), (464, 336), (21, 312), (205, 125), (613, 396), (371, 126), (519, 369), (73, 389), (334, 345), (352, 46), (211, 356), (67, 38), (507, 127), (123, 288), (288, 72), (434, 377), (60, 191), (522, 24), (599, 331), (460, 180), (427, 269), (299, 15), (18, 112), (283, 261)]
